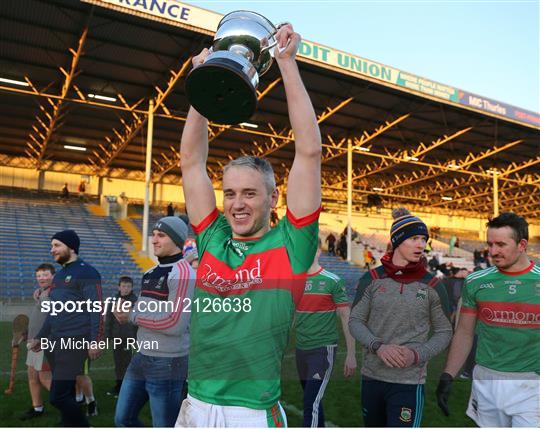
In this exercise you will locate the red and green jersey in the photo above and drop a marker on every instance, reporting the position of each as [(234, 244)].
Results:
[(237, 343), (507, 308), (316, 314)]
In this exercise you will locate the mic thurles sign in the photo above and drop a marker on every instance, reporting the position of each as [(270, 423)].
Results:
[(174, 12)]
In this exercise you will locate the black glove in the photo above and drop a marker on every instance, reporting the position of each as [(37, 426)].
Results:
[(443, 392)]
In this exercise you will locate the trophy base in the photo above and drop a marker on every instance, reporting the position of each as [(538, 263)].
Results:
[(221, 91)]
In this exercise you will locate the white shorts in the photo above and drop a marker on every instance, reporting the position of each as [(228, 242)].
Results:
[(35, 360), (195, 413), (504, 399)]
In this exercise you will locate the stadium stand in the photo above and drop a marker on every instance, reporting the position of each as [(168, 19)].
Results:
[(153, 218), (350, 273), (28, 222)]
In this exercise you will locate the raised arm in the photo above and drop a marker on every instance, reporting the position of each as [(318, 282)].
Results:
[(304, 184), (198, 190)]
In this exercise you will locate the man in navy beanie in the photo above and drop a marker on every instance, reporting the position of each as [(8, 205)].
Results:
[(70, 336)]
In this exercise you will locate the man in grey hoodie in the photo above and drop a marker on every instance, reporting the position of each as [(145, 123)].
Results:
[(159, 369), (396, 306)]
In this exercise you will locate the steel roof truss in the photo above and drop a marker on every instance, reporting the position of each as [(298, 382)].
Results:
[(461, 167), (55, 117), (214, 131), (130, 131)]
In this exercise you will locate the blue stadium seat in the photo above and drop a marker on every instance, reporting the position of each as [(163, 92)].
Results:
[(348, 272), (26, 226)]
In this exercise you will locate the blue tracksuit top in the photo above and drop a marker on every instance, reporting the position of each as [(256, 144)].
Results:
[(76, 282)]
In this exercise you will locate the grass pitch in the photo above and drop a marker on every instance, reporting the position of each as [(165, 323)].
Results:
[(341, 400)]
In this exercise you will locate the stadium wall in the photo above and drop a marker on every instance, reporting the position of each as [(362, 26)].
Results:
[(166, 192), (19, 177), (131, 188), (54, 181)]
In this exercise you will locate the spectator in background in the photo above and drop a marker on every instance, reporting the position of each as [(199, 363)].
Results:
[(433, 263), (82, 189), (342, 246), (451, 245), (354, 233), (65, 192), (113, 329), (429, 246), (477, 257), (170, 209), (456, 245), (369, 259), (39, 372), (274, 218), (76, 281), (331, 241)]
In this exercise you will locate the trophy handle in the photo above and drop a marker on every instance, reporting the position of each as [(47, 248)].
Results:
[(270, 46), (274, 43)]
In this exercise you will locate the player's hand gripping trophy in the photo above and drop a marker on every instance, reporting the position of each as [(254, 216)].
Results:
[(223, 87)]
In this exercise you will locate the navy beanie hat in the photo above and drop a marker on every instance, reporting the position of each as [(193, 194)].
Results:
[(69, 238), (405, 226)]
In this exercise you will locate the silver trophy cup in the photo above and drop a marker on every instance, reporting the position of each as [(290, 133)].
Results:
[(223, 88)]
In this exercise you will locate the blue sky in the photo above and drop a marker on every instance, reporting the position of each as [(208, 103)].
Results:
[(491, 48)]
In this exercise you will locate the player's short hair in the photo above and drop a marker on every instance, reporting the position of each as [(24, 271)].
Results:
[(518, 224), (259, 164), (125, 279), (46, 267)]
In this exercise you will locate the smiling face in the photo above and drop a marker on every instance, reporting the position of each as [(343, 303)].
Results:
[(163, 245), (411, 249), (247, 202), (44, 278), (503, 248), (125, 288)]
